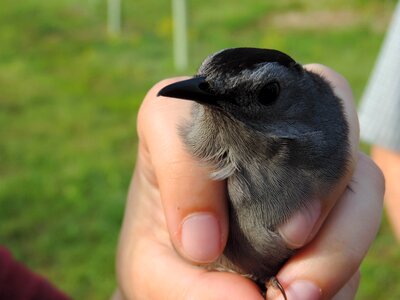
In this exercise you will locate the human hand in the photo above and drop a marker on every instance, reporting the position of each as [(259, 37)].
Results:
[(173, 207), (388, 161)]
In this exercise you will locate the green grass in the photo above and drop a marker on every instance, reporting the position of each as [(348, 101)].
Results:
[(69, 94)]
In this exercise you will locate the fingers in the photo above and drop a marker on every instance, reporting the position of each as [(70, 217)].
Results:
[(156, 274), (389, 162), (194, 206), (344, 238), (304, 225)]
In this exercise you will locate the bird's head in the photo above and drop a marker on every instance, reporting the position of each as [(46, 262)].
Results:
[(263, 88)]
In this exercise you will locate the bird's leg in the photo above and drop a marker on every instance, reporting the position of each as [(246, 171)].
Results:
[(273, 282)]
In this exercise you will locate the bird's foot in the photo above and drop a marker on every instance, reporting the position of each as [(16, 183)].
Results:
[(274, 283)]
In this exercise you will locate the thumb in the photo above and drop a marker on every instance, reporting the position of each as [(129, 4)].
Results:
[(195, 206)]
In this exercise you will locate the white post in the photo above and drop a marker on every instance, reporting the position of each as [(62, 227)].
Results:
[(114, 16), (180, 34)]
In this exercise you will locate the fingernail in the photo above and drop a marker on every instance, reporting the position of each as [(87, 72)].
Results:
[(201, 237), (297, 229), (303, 290)]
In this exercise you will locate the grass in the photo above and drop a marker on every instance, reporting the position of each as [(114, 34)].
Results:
[(68, 102)]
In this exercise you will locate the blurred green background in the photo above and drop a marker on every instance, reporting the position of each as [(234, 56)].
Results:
[(69, 94)]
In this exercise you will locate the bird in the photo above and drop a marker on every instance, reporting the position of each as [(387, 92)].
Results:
[(277, 134)]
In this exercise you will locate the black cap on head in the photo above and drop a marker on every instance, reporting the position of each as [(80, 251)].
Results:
[(236, 59)]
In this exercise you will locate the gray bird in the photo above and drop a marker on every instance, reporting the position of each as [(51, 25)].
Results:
[(278, 135)]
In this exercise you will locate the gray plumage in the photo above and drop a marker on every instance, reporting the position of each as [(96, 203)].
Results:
[(277, 133)]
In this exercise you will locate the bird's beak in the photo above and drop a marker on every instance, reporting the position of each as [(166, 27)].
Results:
[(195, 89)]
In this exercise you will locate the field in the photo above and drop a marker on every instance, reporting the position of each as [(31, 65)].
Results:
[(69, 94)]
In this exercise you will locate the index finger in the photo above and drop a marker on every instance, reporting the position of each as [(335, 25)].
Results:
[(195, 212)]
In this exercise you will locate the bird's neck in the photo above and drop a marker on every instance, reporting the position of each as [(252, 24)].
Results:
[(222, 141)]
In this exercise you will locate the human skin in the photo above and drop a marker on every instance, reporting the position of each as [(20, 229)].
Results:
[(176, 219), (389, 162)]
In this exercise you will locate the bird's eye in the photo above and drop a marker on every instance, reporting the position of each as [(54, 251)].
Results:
[(205, 87), (269, 93)]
